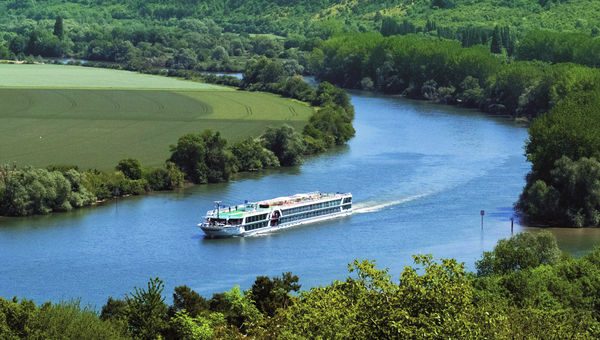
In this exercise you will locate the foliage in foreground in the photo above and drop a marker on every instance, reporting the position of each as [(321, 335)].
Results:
[(524, 288), (63, 320)]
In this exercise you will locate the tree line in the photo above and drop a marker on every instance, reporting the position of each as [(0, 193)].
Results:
[(560, 47), (524, 288), (446, 72)]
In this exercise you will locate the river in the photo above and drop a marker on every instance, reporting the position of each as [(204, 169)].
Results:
[(420, 175)]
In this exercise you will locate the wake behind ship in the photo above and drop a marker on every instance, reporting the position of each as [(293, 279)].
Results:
[(275, 214)]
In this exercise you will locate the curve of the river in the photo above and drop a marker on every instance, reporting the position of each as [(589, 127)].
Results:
[(419, 173)]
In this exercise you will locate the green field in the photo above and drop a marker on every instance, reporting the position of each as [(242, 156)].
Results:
[(63, 76), (93, 121)]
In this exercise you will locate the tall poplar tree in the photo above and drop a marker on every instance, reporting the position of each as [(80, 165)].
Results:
[(58, 27), (496, 46)]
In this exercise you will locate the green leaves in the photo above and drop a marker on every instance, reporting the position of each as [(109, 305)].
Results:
[(203, 157), (272, 294), (251, 155), (524, 250), (27, 191), (563, 148), (287, 144), (146, 310), (432, 302)]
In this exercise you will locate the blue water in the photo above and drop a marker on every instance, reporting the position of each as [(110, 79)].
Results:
[(419, 173)]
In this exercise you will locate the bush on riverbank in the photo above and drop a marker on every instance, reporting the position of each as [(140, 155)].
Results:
[(206, 157), (29, 191), (524, 288)]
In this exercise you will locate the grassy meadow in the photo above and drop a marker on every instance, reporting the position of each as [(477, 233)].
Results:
[(52, 114)]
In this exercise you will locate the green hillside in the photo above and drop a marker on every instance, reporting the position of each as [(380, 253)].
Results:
[(222, 35), (284, 16)]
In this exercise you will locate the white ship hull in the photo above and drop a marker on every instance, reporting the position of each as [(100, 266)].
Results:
[(222, 232)]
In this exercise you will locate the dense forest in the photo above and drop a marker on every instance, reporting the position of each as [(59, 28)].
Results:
[(221, 35), (283, 17), (524, 288)]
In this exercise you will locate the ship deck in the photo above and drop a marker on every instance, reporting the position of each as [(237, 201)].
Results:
[(239, 211)]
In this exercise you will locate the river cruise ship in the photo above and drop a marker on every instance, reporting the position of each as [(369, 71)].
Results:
[(274, 214)]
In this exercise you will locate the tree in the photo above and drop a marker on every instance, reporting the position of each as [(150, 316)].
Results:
[(565, 131), (262, 72), (198, 328), (237, 307), (296, 87), (328, 94), (287, 144), (496, 45), (68, 320), (330, 124), (185, 58), (114, 309), (434, 301), (203, 157), (220, 53), (271, 294), (58, 27), (28, 191), (146, 310), (522, 251), (167, 178), (442, 4), (5, 53), (389, 26), (218, 158), (251, 155), (188, 155), (186, 299), (570, 198), (130, 167)]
